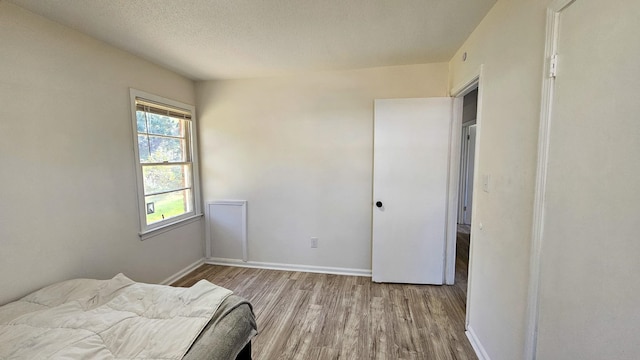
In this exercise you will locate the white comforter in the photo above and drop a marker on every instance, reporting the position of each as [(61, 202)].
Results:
[(107, 319)]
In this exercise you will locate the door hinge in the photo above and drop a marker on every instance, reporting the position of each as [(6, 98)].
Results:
[(468, 137), (553, 66)]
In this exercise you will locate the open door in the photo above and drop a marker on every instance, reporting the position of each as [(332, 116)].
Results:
[(411, 167)]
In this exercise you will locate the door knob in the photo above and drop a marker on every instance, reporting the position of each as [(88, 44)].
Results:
[(379, 204)]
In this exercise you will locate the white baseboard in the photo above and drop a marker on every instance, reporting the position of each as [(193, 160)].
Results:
[(175, 277), (481, 353), (289, 267)]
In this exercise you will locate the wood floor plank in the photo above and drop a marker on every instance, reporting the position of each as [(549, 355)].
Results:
[(306, 316)]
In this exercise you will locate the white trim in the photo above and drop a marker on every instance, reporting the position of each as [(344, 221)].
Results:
[(243, 204), (207, 231), (177, 276), (476, 177), (168, 227), (289, 267), (196, 211), (481, 353), (551, 46), (461, 90), (453, 182), (558, 5), (458, 94), (468, 86)]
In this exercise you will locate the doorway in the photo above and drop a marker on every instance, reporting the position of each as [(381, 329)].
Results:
[(460, 270), (467, 156), (465, 189)]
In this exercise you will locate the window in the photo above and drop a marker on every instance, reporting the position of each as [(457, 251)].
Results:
[(166, 162)]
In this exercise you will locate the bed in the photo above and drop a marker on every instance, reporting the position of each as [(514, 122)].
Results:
[(228, 335), (123, 319)]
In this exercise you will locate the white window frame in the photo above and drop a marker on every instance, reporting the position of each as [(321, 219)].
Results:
[(150, 230)]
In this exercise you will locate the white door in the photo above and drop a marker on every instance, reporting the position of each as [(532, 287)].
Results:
[(411, 165), (468, 173), (589, 288)]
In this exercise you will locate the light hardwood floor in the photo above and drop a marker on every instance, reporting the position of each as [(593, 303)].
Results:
[(463, 241), (319, 316)]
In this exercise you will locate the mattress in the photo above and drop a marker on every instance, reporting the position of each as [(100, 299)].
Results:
[(119, 318), (227, 334)]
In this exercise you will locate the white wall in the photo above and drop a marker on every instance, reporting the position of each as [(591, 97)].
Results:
[(67, 185), (589, 288), (300, 150), (510, 44)]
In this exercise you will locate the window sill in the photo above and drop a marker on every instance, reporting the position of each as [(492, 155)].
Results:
[(163, 229)]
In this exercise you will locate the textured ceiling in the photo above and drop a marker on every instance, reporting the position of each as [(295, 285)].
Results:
[(221, 39)]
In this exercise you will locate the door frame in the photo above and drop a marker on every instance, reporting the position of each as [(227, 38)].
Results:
[(475, 80), (458, 93), (548, 84)]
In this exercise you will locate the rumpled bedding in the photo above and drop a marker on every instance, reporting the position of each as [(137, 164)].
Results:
[(107, 319)]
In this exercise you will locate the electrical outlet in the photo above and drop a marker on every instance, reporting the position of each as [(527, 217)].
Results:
[(314, 242)]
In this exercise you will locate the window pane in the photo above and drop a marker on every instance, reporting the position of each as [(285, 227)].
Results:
[(166, 160), (143, 148), (165, 206), (142, 124), (154, 149), (162, 178), (165, 125)]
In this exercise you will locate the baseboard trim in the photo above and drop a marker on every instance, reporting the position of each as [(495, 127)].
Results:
[(288, 267), (481, 353), (175, 277)]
